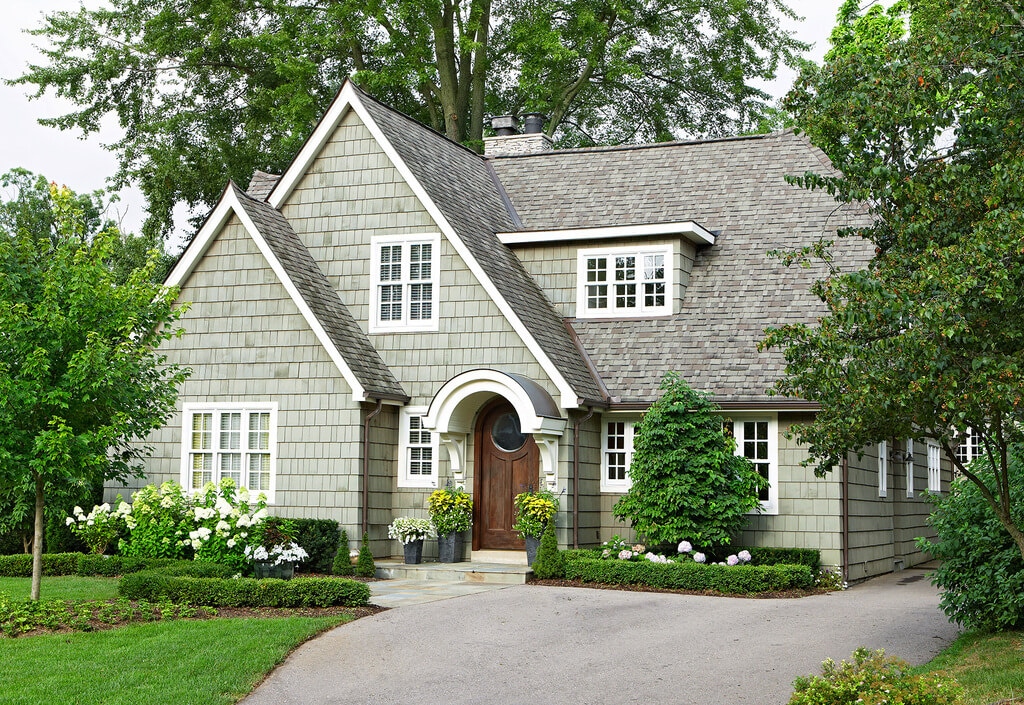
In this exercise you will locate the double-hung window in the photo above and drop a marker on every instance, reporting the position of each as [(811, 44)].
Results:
[(757, 441), (235, 441), (624, 282), (404, 282), (417, 451), (617, 454)]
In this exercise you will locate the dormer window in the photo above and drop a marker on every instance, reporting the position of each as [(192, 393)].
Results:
[(624, 282), (404, 282)]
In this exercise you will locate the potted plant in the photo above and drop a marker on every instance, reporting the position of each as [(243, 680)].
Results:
[(451, 511), (274, 552), (533, 512), (411, 532)]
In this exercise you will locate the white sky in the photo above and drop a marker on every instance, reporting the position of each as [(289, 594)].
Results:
[(83, 164)]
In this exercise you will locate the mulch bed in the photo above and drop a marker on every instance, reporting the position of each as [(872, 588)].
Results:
[(781, 595)]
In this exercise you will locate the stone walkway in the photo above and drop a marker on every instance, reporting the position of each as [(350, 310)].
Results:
[(403, 593)]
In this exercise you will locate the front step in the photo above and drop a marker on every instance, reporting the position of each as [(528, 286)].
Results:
[(473, 571)]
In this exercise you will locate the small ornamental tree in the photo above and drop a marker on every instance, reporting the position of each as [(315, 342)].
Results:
[(687, 482)]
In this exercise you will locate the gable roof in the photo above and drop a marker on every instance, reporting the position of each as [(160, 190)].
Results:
[(323, 309), (457, 189), (734, 187)]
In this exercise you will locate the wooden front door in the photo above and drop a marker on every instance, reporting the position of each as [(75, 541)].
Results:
[(507, 463)]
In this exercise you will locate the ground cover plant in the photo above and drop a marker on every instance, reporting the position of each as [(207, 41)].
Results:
[(989, 666)]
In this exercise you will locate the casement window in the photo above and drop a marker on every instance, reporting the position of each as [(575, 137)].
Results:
[(624, 282), (757, 441), (617, 454), (934, 468), (404, 281), (232, 440), (883, 468), (417, 450), (909, 461), (969, 448)]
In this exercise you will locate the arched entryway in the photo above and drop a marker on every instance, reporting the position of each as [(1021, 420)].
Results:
[(507, 462)]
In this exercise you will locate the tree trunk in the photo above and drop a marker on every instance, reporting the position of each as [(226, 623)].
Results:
[(476, 110), (37, 541)]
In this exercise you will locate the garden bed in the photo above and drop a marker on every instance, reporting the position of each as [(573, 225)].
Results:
[(639, 587)]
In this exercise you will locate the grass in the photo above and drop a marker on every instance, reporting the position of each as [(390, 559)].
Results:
[(64, 587), (174, 663), (990, 666)]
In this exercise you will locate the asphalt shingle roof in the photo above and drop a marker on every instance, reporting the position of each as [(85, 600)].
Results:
[(325, 303), (733, 186), (261, 184)]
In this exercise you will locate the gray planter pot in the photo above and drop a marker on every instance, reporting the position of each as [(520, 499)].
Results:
[(266, 569), (532, 544), (449, 548), (413, 552)]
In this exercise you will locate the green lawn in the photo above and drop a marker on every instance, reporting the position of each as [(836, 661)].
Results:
[(177, 663), (64, 587), (990, 667)]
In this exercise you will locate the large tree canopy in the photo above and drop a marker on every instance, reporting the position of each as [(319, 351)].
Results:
[(80, 377), (922, 108), (211, 89)]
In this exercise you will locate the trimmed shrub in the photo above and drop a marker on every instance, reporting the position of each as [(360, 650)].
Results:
[(365, 567), (20, 565), (873, 678), (342, 561), (766, 555), (549, 564), (244, 592), (733, 580), (320, 538)]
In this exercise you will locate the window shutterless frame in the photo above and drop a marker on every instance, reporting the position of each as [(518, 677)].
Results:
[(404, 283), (624, 282)]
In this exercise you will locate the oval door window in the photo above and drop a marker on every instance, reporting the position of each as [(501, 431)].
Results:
[(506, 434)]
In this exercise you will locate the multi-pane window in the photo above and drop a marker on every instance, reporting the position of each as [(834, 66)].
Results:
[(969, 447), (883, 468), (418, 451), (617, 443), (755, 441), (934, 468), (405, 283), (909, 460), (229, 442), (624, 282)]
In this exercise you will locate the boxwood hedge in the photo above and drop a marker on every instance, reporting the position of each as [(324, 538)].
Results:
[(156, 585)]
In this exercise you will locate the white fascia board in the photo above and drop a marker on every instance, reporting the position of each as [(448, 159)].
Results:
[(692, 231), (348, 99), (229, 205)]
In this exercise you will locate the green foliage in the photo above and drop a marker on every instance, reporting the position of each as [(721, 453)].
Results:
[(342, 561), (873, 678), (244, 592), (687, 481), (921, 108), (365, 567), (768, 555), (159, 523), (732, 580), (549, 564), (633, 71), (534, 511), (99, 528), (981, 571), (20, 565), (451, 510), (320, 538), (18, 617)]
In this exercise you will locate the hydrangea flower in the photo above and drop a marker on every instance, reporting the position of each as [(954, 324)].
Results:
[(732, 560), (744, 556), (685, 547), (699, 557), (625, 554)]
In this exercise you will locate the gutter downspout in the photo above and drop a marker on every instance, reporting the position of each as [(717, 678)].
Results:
[(576, 476), (366, 464), (845, 519)]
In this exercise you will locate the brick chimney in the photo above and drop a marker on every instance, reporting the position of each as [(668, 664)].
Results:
[(509, 142)]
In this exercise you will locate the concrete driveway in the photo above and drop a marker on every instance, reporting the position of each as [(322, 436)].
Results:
[(544, 645)]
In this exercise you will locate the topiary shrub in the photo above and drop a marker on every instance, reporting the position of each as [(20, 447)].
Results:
[(873, 678), (365, 567), (20, 565), (342, 561), (320, 538), (687, 481), (981, 571), (549, 564), (155, 585)]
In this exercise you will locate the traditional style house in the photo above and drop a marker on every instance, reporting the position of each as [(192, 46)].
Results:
[(396, 312)]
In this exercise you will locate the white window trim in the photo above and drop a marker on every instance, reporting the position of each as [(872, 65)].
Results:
[(629, 426), (909, 460), (640, 310), (404, 325), (189, 409), (968, 448), (883, 468), (934, 467), (404, 478), (771, 506)]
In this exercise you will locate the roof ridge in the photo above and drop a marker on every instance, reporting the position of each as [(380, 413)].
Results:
[(646, 145)]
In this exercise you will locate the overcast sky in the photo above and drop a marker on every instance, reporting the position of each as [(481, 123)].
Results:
[(84, 165)]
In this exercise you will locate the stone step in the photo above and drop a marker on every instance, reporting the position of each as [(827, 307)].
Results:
[(472, 571)]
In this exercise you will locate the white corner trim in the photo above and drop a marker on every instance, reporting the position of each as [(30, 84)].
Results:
[(228, 205), (348, 99), (692, 231)]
